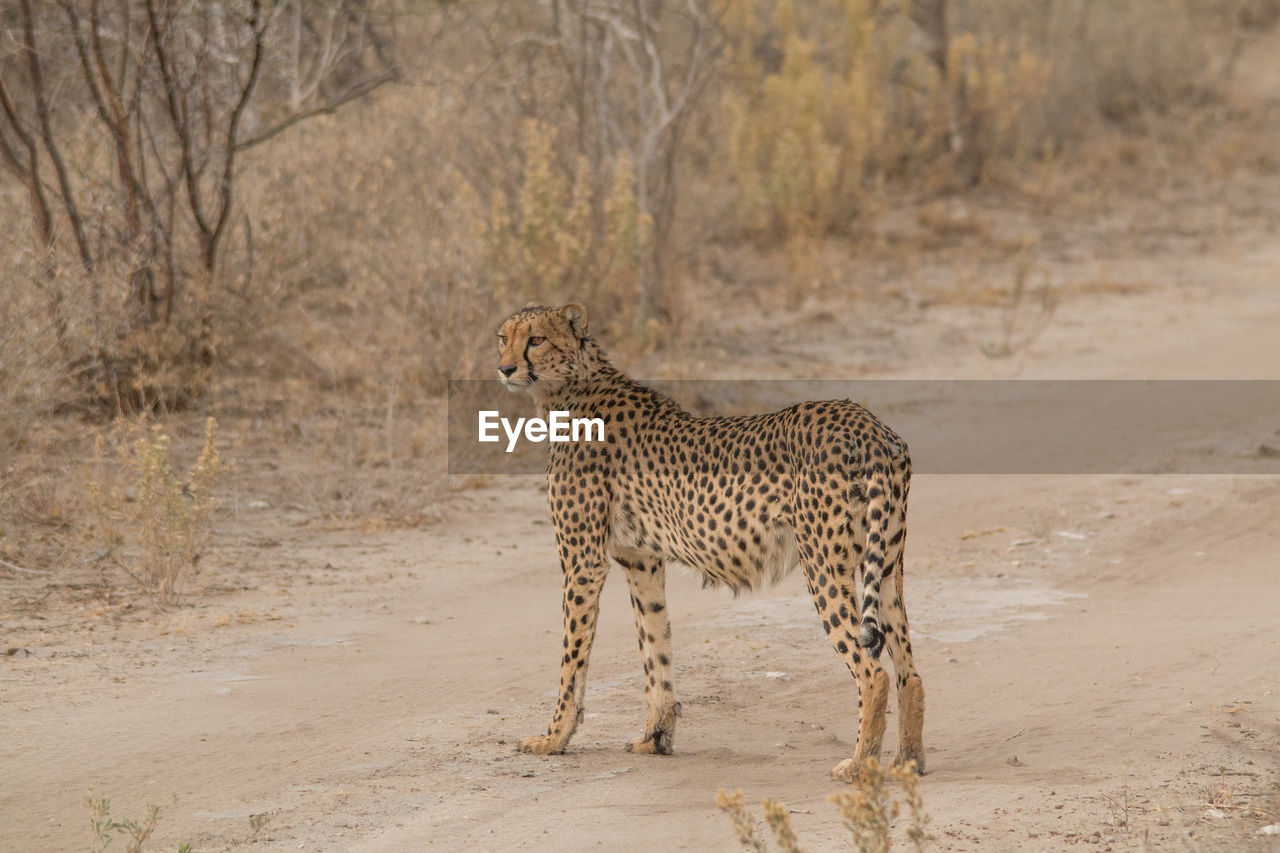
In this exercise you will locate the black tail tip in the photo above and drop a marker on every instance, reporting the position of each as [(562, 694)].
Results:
[(871, 639)]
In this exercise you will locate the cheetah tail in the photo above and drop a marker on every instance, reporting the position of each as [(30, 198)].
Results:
[(878, 509)]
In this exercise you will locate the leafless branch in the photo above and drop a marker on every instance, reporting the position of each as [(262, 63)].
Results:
[(11, 567), (173, 89), (47, 137), (179, 120), (28, 172), (258, 25), (355, 93)]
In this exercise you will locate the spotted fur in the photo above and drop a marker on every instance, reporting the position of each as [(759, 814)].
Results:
[(742, 500)]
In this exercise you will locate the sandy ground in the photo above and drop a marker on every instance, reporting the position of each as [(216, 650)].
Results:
[(1101, 654)]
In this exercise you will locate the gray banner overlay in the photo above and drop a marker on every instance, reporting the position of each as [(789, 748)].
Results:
[(965, 426)]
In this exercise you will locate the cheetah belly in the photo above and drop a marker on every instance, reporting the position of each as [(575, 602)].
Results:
[(770, 550)]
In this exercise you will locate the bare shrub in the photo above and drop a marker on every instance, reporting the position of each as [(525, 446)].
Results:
[(1026, 311), (1114, 60), (620, 81), (122, 124), (155, 260)]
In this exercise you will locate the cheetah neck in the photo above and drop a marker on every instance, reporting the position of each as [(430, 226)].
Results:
[(590, 373)]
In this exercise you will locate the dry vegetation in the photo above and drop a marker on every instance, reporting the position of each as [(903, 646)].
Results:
[(169, 517), (222, 210), (869, 808)]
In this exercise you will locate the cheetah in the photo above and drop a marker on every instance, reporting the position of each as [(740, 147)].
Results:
[(742, 500)]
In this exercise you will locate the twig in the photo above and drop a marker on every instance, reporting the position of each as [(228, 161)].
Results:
[(33, 603), (359, 90), (12, 567), (122, 567), (97, 558)]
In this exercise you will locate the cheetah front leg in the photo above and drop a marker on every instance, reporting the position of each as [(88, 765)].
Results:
[(646, 577), (582, 584)]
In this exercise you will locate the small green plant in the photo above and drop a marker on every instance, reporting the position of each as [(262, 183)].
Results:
[(106, 828), (257, 822), (868, 807)]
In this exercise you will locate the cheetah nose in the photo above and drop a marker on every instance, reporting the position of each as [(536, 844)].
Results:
[(507, 371)]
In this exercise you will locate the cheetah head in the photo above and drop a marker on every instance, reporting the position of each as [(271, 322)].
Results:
[(539, 348)]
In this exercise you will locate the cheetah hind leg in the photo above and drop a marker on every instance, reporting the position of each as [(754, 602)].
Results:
[(897, 634), (832, 584), (873, 696), (839, 614), (910, 686), (646, 579)]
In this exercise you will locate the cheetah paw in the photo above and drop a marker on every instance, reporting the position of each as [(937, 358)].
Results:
[(847, 770), (541, 745), (656, 743)]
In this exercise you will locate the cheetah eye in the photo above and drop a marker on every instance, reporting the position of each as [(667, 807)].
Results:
[(536, 340), (502, 341)]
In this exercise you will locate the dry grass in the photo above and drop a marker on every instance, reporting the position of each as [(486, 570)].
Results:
[(868, 807), (824, 122), (155, 525), (744, 824)]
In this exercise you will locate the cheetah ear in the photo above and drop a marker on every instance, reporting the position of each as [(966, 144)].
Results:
[(576, 317)]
